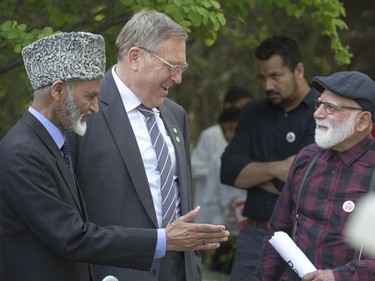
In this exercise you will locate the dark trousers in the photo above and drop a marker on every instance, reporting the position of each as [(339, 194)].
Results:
[(172, 267), (249, 245)]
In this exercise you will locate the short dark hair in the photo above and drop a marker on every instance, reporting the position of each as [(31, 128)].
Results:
[(235, 93), (283, 46), (229, 115)]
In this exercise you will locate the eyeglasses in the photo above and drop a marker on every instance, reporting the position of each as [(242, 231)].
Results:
[(331, 108), (172, 68)]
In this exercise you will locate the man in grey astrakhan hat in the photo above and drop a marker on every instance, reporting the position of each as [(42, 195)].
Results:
[(44, 233), (339, 168)]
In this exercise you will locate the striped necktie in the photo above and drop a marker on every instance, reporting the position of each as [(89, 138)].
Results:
[(168, 193)]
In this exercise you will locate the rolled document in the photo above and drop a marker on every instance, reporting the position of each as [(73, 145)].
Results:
[(293, 255)]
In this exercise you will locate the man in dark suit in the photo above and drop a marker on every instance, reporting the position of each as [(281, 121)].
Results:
[(44, 233), (116, 162)]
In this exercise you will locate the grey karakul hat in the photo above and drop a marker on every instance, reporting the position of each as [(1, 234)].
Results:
[(353, 85), (65, 56)]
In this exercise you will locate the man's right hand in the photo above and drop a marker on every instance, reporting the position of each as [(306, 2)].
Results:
[(184, 235)]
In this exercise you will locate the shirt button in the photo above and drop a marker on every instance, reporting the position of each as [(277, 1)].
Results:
[(153, 271)]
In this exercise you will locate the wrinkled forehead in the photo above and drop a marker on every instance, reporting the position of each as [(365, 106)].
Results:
[(328, 96)]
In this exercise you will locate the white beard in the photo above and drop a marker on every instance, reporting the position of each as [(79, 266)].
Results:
[(69, 114), (80, 127), (335, 133)]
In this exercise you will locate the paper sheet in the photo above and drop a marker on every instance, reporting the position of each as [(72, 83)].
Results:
[(293, 255)]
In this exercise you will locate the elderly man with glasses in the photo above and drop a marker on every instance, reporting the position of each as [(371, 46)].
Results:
[(134, 167), (325, 183)]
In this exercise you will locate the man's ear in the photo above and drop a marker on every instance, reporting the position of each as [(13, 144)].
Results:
[(299, 71), (58, 90), (133, 58), (364, 121)]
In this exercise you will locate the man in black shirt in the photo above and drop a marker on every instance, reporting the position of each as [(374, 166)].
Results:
[(268, 136)]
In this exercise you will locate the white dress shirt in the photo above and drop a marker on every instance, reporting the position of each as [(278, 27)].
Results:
[(137, 121)]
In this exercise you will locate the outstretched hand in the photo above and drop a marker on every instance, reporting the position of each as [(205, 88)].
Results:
[(184, 235)]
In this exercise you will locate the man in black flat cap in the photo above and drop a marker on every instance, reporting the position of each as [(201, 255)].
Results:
[(324, 184)]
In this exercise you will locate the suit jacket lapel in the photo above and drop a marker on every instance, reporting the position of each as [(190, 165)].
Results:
[(46, 138), (126, 142)]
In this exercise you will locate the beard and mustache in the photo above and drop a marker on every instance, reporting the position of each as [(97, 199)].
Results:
[(335, 132), (70, 116)]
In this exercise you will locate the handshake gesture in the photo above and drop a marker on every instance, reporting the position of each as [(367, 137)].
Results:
[(184, 235)]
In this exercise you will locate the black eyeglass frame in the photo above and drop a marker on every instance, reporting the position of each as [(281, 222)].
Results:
[(331, 108)]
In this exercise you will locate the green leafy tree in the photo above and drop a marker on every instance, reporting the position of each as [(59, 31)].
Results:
[(218, 30)]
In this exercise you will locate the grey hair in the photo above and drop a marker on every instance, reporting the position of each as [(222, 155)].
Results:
[(147, 29), (41, 92)]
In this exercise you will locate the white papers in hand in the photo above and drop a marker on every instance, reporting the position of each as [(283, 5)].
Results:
[(293, 255)]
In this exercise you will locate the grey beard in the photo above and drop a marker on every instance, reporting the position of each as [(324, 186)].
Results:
[(69, 114)]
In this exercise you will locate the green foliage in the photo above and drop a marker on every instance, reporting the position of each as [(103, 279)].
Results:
[(328, 13), (328, 16), (15, 34), (228, 30), (203, 18), (203, 15)]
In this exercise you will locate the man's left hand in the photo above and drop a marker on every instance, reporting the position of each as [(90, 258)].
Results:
[(319, 275)]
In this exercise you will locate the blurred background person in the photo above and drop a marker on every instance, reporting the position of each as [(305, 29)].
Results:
[(359, 230), (211, 140), (223, 204)]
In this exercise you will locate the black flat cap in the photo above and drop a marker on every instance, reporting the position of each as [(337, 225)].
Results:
[(353, 85)]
